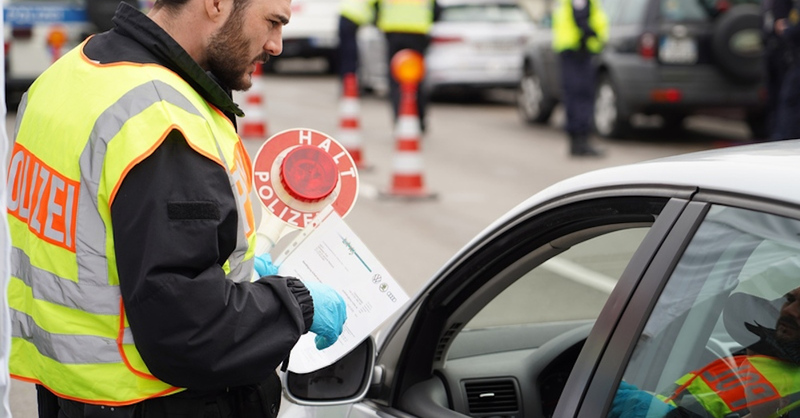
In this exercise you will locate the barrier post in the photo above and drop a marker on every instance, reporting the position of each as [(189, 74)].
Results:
[(253, 125), (349, 119), (408, 69)]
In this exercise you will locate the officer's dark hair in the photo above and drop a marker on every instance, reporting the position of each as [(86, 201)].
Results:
[(175, 5)]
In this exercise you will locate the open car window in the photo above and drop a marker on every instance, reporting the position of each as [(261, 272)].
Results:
[(723, 337)]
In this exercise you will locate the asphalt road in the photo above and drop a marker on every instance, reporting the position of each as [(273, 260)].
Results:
[(479, 160)]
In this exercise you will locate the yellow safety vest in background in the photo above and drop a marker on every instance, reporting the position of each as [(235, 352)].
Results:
[(84, 126), (567, 34), (358, 11), (408, 16)]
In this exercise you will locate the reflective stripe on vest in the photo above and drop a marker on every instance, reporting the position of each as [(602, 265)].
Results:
[(567, 35), (410, 16), (69, 330), (734, 385)]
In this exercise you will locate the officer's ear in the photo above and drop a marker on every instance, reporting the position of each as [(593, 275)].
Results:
[(218, 10)]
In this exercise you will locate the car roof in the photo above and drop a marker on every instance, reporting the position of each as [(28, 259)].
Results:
[(767, 170)]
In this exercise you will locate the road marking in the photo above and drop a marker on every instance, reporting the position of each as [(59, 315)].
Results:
[(580, 274)]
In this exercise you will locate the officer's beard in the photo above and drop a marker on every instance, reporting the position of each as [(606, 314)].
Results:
[(770, 344), (228, 51)]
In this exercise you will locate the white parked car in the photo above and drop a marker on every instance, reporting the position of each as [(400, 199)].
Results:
[(36, 33), (475, 45), (312, 32), (640, 273)]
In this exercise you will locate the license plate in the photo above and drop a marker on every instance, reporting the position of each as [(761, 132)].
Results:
[(677, 50)]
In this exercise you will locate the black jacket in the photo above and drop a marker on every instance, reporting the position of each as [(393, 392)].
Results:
[(193, 327)]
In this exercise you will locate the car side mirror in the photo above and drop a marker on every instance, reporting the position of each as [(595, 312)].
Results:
[(345, 381)]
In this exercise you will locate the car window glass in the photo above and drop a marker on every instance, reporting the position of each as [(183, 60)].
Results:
[(611, 7), (499, 13), (682, 11), (723, 339), (581, 277), (630, 12)]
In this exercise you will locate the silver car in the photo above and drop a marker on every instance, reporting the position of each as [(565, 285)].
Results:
[(475, 45), (641, 273)]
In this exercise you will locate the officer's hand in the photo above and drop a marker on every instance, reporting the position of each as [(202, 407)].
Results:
[(263, 265), (630, 402), (330, 312)]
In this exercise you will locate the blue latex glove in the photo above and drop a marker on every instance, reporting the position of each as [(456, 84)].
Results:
[(630, 402), (264, 266), (330, 312)]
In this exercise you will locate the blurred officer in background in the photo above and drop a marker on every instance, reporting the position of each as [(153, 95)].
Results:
[(132, 225), (580, 30), (406, 25), (787, 125), (777, 56), (352, 14)]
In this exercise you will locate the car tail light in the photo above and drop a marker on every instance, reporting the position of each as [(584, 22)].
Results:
[(647, 45), (446, 39), (22, 32), (666, 95)]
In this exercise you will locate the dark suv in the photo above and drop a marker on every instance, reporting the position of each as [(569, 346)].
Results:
[(672, 58)]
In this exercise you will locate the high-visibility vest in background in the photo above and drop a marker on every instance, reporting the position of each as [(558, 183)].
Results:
[(358, 11), (736, 384), (567, 34), (72, 151), (407, 16)]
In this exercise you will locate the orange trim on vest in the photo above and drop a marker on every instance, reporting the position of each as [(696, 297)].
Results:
[(61, 395)]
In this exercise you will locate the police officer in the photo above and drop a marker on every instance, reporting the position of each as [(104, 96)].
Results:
[(352, 14), (788, 124), (406, 25), (580, 29), (132, 224), (770, 368)]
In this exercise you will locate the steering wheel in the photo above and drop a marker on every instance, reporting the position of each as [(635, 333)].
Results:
[(540, 360)]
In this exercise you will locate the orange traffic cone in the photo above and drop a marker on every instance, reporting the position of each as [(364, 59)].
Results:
[(407, 179), (253, 125), (349, 125)]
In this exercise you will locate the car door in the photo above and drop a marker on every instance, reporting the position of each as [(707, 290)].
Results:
[(709, 300), (497, 330)]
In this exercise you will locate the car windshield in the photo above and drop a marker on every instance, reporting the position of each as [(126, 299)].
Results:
[(498, 13)]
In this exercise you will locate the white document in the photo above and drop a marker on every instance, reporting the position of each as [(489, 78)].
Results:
[(332, 254)]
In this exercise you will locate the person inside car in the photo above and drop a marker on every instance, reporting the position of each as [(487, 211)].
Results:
[(763, 381)]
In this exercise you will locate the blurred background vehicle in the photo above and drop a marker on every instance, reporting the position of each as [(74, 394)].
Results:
[(671, 58), (37, 32), (475, 45), (312, 32)]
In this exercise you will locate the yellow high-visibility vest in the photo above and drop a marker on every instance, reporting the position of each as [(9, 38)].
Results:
[(359, 11), (409, 16), (737, 384), (567, 34), (83, 126)]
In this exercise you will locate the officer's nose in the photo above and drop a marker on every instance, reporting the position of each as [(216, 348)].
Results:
[(274, 45)]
